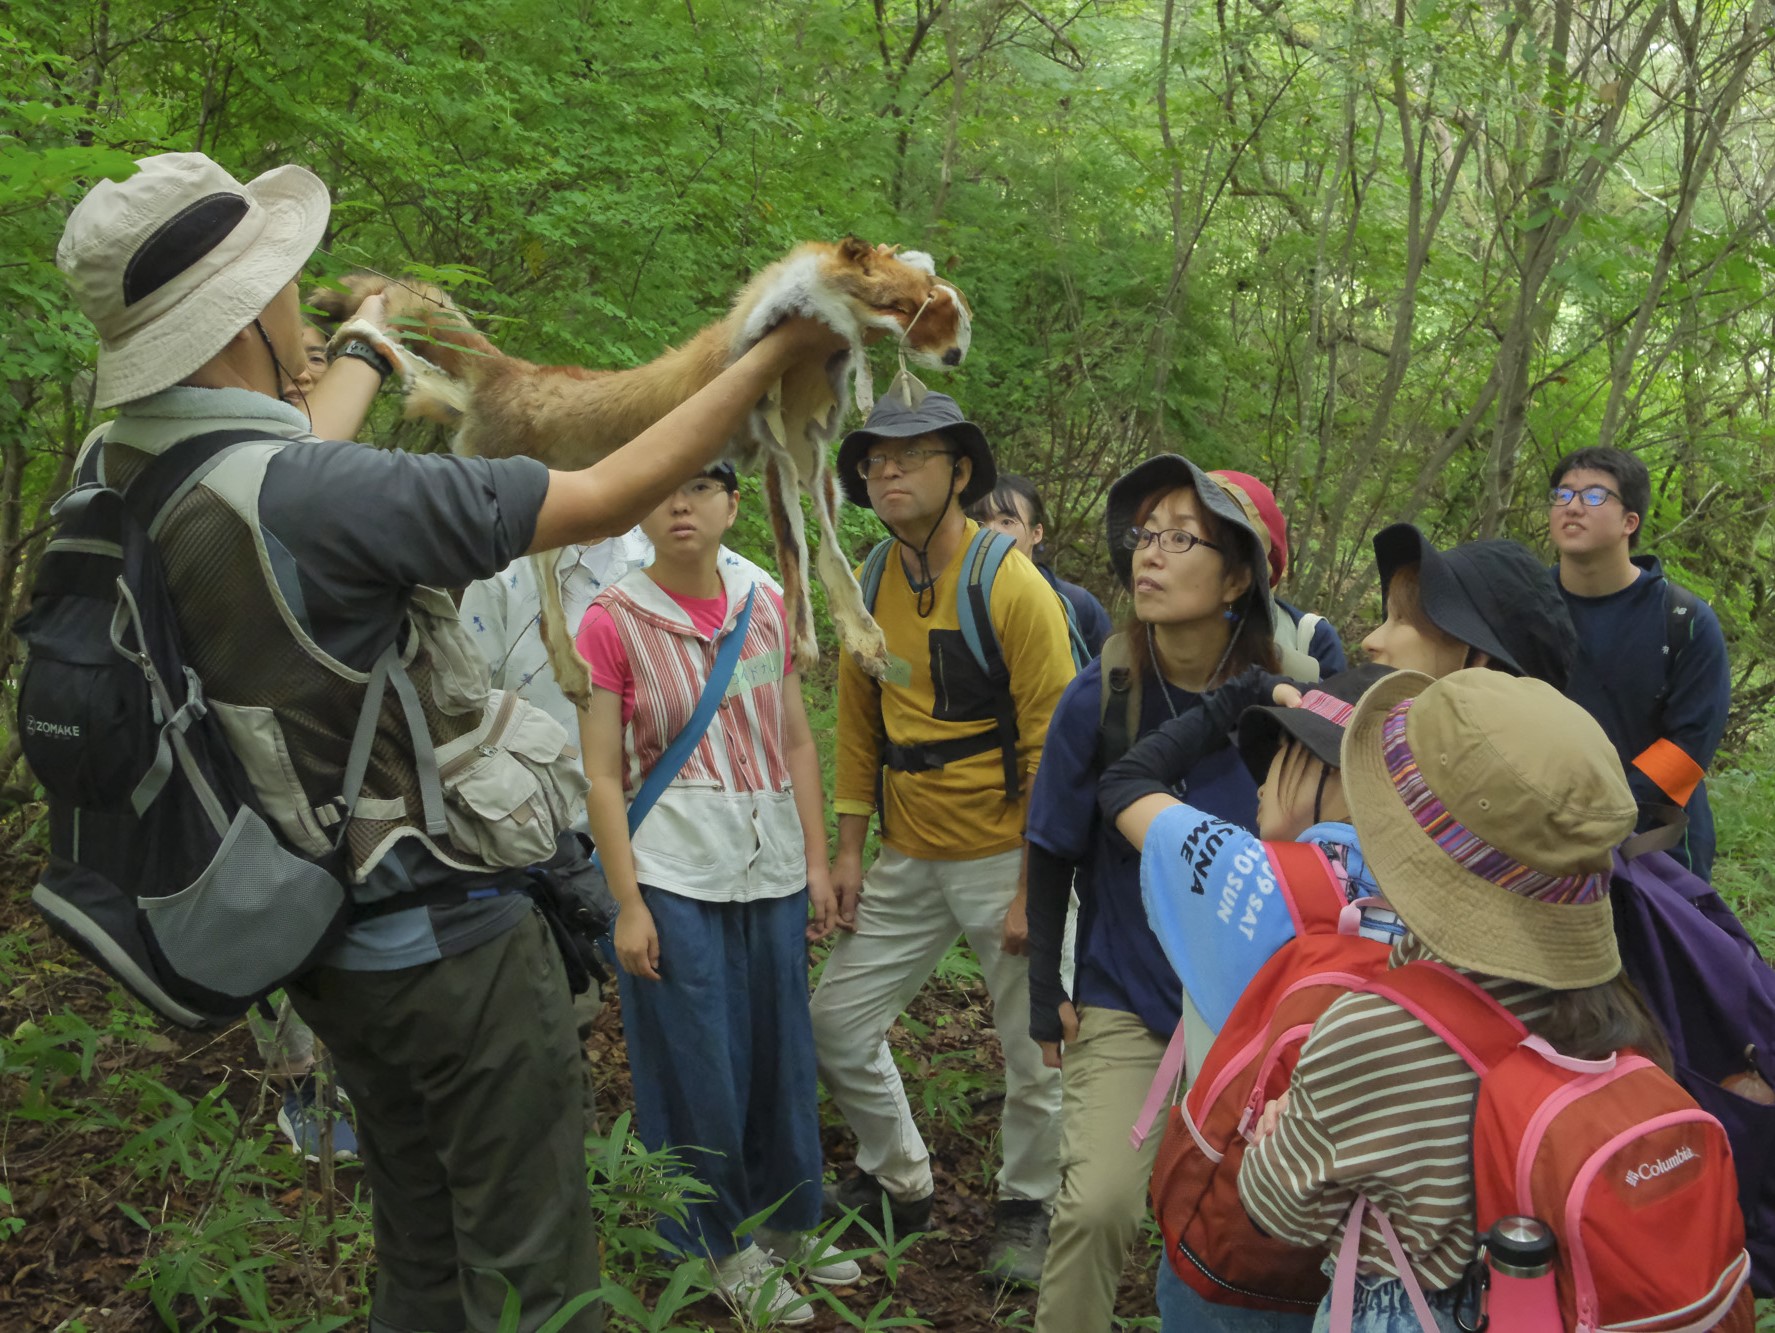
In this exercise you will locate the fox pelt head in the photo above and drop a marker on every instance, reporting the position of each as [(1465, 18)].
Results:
[(896, 292)]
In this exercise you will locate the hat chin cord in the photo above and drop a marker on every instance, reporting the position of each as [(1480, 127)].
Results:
[(279, 374), (926, 602)]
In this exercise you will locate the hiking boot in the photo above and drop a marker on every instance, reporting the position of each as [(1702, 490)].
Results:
[(303, 1120), (1019, 1242), (864, 1195), (808, 1253), (756, 1286)]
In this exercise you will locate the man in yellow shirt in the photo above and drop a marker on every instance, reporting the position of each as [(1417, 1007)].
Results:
[(950, 754)]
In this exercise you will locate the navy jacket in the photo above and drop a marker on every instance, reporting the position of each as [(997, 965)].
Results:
[(1627, 681)]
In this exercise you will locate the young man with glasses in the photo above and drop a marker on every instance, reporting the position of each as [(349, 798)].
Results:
[(923, 747), (1651, 659)]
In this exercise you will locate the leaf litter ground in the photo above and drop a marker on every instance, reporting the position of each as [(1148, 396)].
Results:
[(103, 1132)]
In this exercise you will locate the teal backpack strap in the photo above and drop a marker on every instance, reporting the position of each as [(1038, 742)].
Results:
[(1075, 638), (973, 597), (973, 608), (874, 566)]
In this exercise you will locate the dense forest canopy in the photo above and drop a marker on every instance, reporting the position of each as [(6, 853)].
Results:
[(1394, 259)]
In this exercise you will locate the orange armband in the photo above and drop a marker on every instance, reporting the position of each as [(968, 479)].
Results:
[(1668, 765)]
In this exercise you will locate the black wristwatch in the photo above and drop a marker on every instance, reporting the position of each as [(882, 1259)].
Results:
[(362, 351)]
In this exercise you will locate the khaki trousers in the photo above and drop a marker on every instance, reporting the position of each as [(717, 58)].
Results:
[(911, 912), (1103, 1179)]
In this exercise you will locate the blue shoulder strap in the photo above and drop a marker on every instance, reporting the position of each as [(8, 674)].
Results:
[(973, 600), (873, 568), (662, 773)]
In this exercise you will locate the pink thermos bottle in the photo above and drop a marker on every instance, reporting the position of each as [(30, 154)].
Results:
[(1522, 1295)]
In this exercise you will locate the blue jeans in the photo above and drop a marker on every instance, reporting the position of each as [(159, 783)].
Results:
[(1182, 1310), (1383, 1307), (721, 1052)]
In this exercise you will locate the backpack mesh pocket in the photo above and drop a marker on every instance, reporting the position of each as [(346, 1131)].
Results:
[(257, 913)]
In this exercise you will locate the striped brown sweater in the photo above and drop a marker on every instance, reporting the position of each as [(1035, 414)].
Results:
[(1379, 1106)]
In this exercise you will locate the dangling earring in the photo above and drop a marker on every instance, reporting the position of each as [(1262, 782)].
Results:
[(1229, 613)]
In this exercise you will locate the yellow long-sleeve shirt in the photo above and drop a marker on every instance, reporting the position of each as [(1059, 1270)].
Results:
[(958, 812)]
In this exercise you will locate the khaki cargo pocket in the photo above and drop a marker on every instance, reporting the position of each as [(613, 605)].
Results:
[(258, 742), (511, 784), (460, 680)]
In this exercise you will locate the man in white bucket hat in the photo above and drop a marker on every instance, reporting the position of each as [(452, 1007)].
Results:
[(294, 565)]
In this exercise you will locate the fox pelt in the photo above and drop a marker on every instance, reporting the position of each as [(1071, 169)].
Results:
[(569, 417)]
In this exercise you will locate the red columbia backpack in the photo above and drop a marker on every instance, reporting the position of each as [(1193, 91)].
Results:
[(1635, 1180), (1209, 1239)]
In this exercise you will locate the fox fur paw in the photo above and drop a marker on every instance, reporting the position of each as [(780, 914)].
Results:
[(868, 645)]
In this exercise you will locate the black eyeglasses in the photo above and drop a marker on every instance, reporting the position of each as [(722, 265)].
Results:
[(1593, 497), (1175, 541)]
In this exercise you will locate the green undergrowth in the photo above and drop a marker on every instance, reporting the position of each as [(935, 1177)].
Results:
[(219, 1225)]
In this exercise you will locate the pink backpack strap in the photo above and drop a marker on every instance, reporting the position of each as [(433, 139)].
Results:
[(1167, 1085), (1309, 886), (1456, 1008), (1343, 1281)]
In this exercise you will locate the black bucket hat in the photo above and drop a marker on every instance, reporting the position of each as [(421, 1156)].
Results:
[(1493, 595), (1317, 723), (895, 419), (1168, 472)]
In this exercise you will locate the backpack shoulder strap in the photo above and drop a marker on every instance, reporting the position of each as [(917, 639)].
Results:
[(1680, 606), (1305, 628), (973, 599), (1456, 1008), (172, 475), (980, 564), (1296, 662), (874, 565), (1118, 700), (660, 776), (1309, 886)]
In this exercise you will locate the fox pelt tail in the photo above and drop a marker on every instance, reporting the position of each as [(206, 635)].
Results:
[(436, 351)]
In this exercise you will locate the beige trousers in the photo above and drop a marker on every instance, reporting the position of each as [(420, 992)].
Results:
[(1103, 1179)]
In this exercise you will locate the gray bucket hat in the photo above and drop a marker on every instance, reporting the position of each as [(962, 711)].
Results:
[(894, 419), (1168, 472)]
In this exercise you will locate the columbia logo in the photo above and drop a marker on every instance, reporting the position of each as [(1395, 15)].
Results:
[(1647, 1171)]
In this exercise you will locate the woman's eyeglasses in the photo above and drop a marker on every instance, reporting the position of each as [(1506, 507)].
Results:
[(1174, 541)]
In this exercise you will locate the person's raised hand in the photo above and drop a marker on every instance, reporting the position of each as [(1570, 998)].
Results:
[(374, 310), (799, 339)]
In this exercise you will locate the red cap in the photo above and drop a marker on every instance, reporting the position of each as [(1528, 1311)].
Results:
[(1259, 504)]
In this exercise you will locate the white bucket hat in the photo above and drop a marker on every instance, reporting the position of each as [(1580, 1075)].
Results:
[(173, 262)]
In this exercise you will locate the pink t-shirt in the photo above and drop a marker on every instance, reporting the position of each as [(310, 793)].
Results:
[(601, 646)]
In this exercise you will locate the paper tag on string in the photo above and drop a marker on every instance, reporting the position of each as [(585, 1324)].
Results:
[(907, 387)]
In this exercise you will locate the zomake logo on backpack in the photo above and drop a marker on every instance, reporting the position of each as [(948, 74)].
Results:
[(1663, 1166), (59, 731)]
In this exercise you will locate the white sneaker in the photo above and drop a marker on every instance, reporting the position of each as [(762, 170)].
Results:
[(812, 1256), (758, 1288)]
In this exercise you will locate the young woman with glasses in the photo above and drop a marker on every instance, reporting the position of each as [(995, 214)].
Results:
[(1195, 568)]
